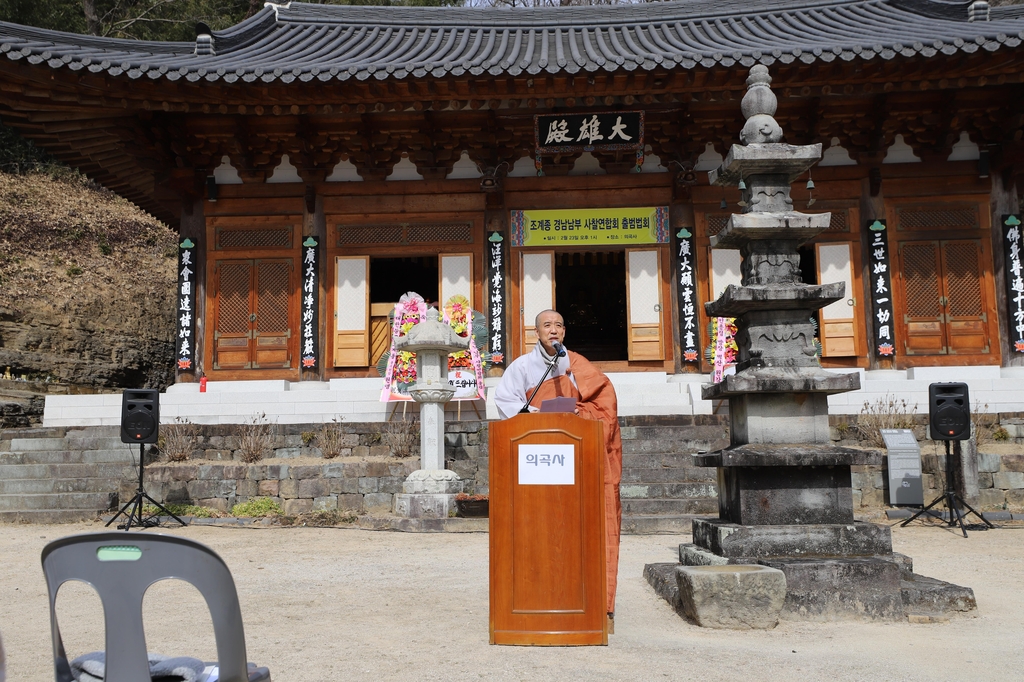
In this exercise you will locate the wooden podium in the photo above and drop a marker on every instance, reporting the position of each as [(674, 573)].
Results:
[(547, 531)]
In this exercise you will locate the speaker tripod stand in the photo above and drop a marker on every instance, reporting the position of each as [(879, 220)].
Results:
[(135, 517), (952, 500)]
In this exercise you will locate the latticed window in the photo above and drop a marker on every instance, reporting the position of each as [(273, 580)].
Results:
[(451, 233), (273, 238), (938, 218)]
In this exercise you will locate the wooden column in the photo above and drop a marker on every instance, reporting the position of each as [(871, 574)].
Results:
[(193, 226), (680, 216), (872, 207), (1003, 200), (314, 224)]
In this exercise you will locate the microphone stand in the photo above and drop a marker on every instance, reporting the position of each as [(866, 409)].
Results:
[(559, 353)]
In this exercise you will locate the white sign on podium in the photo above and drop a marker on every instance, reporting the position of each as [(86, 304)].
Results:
[(547, 464)]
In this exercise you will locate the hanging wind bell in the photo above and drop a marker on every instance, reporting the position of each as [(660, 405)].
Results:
[(810, 190), (742, 186)]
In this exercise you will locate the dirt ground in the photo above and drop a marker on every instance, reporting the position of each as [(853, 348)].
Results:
[(347, 604)]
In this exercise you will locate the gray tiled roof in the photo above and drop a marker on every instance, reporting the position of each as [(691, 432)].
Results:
[(326, 42)]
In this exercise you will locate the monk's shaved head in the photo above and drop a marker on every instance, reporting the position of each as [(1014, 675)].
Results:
[(536, 320)]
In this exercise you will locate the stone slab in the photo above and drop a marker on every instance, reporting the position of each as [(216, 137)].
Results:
[(735, 597), (841, 589), (929, 596), (424, 505), (733, 541), (781, 380), (759, 496), (737, 300), (787, 455), (744, 160)]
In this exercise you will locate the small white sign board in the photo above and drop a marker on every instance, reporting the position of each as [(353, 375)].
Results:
[(547, 464)]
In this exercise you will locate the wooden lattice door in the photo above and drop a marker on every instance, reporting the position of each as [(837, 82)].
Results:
[(943, 298), (252, 320)]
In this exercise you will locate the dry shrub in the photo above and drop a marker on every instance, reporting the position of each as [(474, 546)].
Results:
[(985, 423), (179, 440), (255, 436), (885, 413), (330, 438), (399, 437)]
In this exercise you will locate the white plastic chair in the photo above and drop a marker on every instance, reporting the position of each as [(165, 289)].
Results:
[(121, 568)]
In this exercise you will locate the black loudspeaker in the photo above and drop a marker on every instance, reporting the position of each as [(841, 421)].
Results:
[(140, 415), (949, 411)]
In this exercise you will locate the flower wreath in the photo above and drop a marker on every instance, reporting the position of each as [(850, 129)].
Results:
[(401, 369)]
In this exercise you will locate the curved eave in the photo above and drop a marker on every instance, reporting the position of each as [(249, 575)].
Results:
[(337, 43)]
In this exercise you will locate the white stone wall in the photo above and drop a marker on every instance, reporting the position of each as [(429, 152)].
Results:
[(639, 393)]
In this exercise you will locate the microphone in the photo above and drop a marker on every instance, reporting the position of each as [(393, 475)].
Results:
[(559, 349)]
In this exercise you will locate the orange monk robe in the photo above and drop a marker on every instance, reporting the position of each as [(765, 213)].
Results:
[(595, 399)]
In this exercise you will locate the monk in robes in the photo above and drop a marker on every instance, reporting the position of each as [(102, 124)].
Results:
[(572, 376)]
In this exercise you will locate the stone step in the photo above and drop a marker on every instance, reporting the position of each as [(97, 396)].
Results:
[(661, 506), (667, 524), (82, 501), (69, 456), (47, 516), (669, 491), (659, 460), (668, 475), (676, 446), (102, 470), (90, 442), (33, 444), (28, 486), (34, 432)]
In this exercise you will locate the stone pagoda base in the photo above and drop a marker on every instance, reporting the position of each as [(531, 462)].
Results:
[(834, 571)]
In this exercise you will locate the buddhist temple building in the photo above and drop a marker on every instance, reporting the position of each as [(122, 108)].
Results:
[(321, 161)]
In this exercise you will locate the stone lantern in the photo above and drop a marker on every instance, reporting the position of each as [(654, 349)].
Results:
[(430, 490)]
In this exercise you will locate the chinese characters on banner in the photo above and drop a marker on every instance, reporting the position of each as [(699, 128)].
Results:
[(186, 337), (496, 256), (686, 289), (1012, 239), (881, 291), (310, 303)]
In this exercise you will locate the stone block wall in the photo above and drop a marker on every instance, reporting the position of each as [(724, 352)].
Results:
[(363, 478), (1000, 466)]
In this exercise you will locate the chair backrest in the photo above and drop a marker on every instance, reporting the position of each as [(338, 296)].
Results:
[(121, 567)]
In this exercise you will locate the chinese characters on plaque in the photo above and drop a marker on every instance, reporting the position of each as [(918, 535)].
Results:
[(310, 303), (1014, 280), (613, 131), (186, 336), (496, 256), (881, 291), (686, 289)]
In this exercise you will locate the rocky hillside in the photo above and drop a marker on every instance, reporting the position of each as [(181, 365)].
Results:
[(86, 287)]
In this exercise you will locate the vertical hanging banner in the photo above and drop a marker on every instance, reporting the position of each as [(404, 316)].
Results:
[(689, 337), (881, 291), (310, 304), (1014, 280), (186, 337), (496, 255)]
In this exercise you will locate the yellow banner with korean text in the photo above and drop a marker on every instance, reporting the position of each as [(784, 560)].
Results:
[(591, 226)]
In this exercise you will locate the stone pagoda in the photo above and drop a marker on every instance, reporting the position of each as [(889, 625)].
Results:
[(784, 489)]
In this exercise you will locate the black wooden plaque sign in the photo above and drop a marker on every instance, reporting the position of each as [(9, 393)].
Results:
[(186, 336), (1012, 238), (310, 304), (497, 252), (881, 291), (689, 333), (571, 133)]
